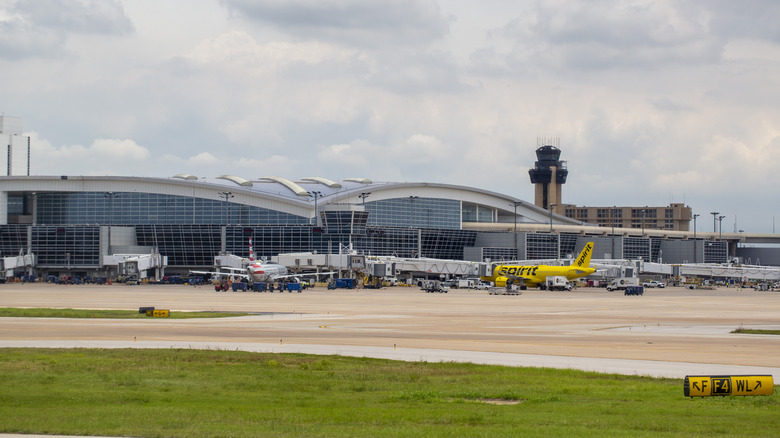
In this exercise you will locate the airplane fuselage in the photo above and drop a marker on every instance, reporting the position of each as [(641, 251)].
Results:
[(534, 275), (263, 272)]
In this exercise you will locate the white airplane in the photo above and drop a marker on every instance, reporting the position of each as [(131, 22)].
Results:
[(260, 272)]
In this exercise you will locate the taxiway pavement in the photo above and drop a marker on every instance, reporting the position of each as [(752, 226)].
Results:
[(669, 332)]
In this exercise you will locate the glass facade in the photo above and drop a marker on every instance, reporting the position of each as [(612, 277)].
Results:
[(541, 246), (126, 208), (655, 249), (479, 213), (415, 212), (635, 248), (715, 252), (499, 254), (446, 244), (185, 245), (399, 242), (344, 222), (569, 245), (67, 247), (13, 238)]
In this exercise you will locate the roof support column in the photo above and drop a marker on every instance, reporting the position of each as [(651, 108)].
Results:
[(3, 208)]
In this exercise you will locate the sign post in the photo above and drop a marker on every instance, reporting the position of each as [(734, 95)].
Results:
[(706, 386)]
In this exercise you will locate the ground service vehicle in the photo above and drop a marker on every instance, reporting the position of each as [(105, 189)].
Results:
[(556, 283), (622, 283), (654, 283), (634, 290), (430, 286)]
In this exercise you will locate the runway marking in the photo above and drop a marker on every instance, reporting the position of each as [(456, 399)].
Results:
[(610, 328)]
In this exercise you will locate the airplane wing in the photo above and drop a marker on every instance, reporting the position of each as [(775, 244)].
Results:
[(303, 275), (221, 274), (516, 279)]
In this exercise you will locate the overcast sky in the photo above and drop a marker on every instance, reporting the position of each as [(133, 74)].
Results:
[(653, 101)]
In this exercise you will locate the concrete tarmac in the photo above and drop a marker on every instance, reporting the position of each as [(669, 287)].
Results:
[(669, 332)]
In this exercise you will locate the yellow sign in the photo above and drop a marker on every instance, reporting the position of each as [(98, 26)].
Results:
[(161, 313), (705, 386)]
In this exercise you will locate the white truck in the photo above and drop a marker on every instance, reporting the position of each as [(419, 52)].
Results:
[(622, 283), (465, 283), (658, 284), (557, 283), (431, 286)]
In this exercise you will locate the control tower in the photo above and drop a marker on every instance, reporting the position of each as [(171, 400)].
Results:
[(548, 175)]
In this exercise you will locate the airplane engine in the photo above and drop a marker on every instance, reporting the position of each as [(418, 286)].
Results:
[(501, 281)]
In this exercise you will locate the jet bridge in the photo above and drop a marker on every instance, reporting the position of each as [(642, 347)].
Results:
[(140, 265), (712, 270), (373, 265), (22, 261)]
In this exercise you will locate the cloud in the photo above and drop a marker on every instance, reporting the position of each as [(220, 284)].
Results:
[(350, 22), (104, 17), (40, 28), (103, 156), (238, 48), (756, 19), (607, 35), (648, 98)]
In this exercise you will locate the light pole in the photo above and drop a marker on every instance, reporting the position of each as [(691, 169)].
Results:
[(316, 196), (694, 237), (714, 220), (363, 197), (226, 195), (612, 222), (720, 226), (515, 204), (411, 209), (644, 210), (552, 206)]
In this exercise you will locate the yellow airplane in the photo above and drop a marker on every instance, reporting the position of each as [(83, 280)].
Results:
[(532, 276)]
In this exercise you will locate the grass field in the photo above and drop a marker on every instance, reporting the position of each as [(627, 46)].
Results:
[(756, 331), (111, 314), (191, 393)]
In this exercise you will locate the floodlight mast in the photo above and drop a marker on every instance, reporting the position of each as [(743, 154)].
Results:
[(694, 237)]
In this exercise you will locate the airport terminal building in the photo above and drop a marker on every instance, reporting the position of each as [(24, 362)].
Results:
[(73, 223)]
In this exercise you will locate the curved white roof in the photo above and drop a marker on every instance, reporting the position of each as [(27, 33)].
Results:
[(237, 179), (295, 188), (323, 181), (359, 180), (185, 176)]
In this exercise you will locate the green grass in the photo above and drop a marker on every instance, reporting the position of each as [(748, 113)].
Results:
[(112, 314), (756, 331), (191, 393)]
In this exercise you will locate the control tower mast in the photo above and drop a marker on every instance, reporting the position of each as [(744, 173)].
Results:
[(549, 173)]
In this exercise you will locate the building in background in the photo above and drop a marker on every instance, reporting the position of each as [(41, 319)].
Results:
[(549, 174), (675, 216), (17, 146)]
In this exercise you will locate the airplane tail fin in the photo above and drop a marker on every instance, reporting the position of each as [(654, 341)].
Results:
[(583, 260), (251, 251)]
